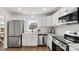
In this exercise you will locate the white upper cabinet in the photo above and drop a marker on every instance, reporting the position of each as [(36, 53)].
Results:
[(46, 20), (55, 18), (43, 20), (39, 21), (49, 20), (25, 25), (66, 10), (63, 11)]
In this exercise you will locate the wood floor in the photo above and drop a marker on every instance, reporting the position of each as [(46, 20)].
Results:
[(1, 46), (39, 48)]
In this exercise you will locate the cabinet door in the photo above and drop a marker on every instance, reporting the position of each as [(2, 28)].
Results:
[(50, 43), (26, 25), (47, 41), (34, 40), (72, 49), (43, 20), (49, 20), (66, 10), (39, 21), (29, 40), (56, 18), (26, 40)]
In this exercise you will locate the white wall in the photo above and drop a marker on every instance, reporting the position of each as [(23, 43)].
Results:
[(7, 16)]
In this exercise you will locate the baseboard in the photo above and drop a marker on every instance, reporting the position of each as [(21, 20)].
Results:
[(29, 46), (41, 45)]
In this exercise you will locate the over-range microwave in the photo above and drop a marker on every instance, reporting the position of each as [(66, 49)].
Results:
[(72, 17)]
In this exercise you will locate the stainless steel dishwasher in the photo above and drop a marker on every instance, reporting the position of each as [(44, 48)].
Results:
[(42, 39)]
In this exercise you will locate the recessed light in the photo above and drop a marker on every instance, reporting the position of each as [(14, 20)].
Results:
[(32, 13), (19, 9), (44, 9)]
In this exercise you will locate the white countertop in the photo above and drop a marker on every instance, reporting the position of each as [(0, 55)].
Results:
[(30, 33), (34, 33)]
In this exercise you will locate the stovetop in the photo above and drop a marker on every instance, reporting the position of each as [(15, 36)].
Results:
[(71, 38)]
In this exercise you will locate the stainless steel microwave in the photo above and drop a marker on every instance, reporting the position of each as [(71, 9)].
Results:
[(71, 17)]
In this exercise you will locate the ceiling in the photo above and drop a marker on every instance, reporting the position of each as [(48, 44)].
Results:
[(32, 10)]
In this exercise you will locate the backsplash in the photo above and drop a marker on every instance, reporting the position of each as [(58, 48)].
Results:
[(44, 29), (59, 30)]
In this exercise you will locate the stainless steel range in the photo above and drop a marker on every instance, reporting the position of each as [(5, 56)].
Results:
[(72, 39), (59, 41)]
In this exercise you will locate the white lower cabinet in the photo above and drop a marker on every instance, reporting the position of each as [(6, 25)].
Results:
[(49, 42), (72, 49), (49, 20), (29, 40)]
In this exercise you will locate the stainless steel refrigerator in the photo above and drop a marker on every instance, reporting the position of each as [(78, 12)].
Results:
[(15, 29)]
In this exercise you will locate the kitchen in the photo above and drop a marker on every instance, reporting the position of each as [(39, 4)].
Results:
[(40, 28)]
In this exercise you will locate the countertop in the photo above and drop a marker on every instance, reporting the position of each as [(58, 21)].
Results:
[(34, 33)]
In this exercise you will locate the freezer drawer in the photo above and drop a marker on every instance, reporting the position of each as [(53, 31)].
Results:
[(14, 41)]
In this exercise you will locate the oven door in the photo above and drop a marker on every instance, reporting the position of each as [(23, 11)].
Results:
[(62, 46)]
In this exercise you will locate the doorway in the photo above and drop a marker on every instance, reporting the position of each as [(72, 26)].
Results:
[(2, 27)]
